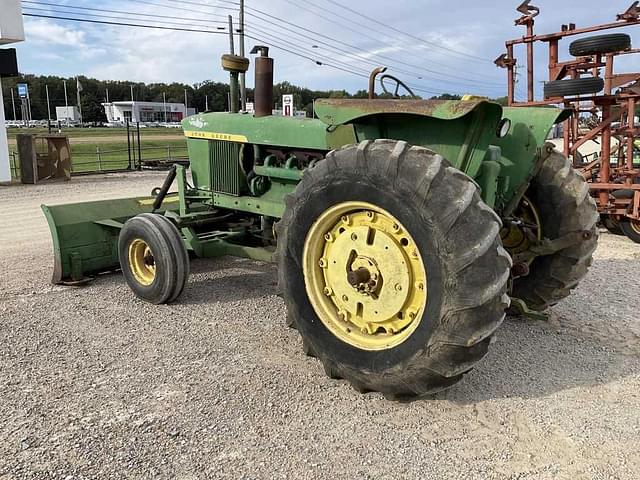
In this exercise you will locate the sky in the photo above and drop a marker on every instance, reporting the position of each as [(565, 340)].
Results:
[(436, 46)]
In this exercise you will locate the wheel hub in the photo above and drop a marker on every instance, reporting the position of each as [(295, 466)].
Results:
[(364, 276), (142, 262), (520, 235)]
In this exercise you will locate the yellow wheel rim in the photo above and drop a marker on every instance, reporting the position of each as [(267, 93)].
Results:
[(515, 238), (142, 262), (364, 276)]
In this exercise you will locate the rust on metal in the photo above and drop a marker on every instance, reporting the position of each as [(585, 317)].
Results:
[(338, 111), (372, 81), (613, 112)]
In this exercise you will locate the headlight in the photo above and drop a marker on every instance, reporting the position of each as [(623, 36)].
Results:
[(503, 128)]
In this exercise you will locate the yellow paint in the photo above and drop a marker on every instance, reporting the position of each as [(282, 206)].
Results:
[(168, 199), (226, 137), (382, 312), (469, 98), (141, 262)]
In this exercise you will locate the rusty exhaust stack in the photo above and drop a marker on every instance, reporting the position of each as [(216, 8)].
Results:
[(263, 101)]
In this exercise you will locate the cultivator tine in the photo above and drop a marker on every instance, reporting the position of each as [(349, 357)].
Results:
[(528, 10), (632, 13)]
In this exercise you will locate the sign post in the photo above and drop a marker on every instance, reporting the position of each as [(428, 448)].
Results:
[(11, 31), (5, 168), (287, 106)]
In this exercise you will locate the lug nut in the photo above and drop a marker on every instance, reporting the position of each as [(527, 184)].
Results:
[(398, 287), (345, 219), (327, 291), (322, 263), (420, 285), (328, 237)]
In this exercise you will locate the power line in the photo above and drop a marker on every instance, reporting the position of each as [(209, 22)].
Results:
[(350, 24), (294, 50), (433, 44), (366, 61), (154, 15), (386, 58), (112, 17), (137, 25)]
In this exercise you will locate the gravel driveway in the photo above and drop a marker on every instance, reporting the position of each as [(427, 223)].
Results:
[(95, 384)]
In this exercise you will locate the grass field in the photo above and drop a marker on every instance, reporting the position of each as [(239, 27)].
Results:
[(106, 149)]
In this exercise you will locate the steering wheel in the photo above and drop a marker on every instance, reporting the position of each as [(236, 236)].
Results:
[(398, 83)]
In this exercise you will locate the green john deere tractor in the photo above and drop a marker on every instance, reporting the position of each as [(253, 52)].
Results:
[(403, 230)]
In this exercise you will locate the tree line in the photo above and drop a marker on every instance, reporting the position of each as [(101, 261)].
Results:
[(94, 92)]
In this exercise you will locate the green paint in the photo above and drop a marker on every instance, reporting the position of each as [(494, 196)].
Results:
[(229, 146)]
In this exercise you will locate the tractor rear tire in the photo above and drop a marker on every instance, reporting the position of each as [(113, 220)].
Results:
[(562, 198), (448, 231), (630, 228), (577, 86), (600, 44), (612, 225), (153, 258)]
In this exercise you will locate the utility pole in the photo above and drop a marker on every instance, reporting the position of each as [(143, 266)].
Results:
[(66, 103), (13, 104), (78, 90), (186, 105), (206, 103), (46, 87), (243, 87), (232, 49), (28, 107), (164, 105), (233, 82), (132, 94), (107, 95)]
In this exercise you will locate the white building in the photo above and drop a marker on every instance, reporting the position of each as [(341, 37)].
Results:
[(67, 114), (146, 112)]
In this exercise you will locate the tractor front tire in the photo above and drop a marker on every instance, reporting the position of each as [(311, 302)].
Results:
[(392, 268), (630, 228), (153, 258), (562, 199)]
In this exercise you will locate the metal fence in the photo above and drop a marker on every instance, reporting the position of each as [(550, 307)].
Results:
[(138, 158), (116, 160)]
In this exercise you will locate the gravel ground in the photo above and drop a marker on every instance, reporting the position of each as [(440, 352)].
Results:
[(95, 384)]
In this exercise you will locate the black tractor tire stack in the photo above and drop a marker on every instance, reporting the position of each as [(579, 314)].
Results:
[(600, 44)]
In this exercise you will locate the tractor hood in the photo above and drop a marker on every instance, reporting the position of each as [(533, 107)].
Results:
[(342, 111)]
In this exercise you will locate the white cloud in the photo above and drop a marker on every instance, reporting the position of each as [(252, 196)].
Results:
[(479, 28), (43, 31)]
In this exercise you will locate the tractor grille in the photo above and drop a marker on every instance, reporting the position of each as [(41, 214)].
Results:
[(225, 167)]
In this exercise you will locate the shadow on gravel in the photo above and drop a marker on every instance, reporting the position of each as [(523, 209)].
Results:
[(528, 360), (228, 280), (531, 360)]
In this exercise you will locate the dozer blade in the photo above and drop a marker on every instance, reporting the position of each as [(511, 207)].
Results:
[(85, 235)]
